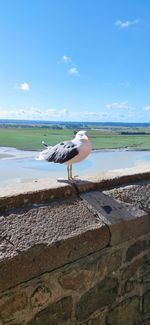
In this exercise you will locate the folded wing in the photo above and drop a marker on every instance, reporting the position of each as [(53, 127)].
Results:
[(60, 153)]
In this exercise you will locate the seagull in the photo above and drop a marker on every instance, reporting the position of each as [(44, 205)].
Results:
[(67, 152)]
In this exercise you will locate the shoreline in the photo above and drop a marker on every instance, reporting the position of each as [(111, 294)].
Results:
[(18, 166), (14, 153)]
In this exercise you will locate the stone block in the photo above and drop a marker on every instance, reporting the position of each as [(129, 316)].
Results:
[(133, 270), (125, 221), (144, 272), (99, 296), (145, 322), (54, 314), (109, 263), (103, 263), (75, 279), (12, 304), (110, 179), (48, 237), (146, 302), (33, 193), (40, 296), (126, 313), (43, 258), (136, 248), (100, 319), (128, 287)]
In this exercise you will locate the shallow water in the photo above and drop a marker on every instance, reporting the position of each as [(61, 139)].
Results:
[(20, 166)]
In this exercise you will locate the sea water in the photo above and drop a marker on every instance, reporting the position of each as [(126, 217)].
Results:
[(20, 166)]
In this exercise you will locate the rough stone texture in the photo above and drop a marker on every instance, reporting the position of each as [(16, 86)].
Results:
[(126, 313), (110, 179), (70, 262), (13, 304), (44, 224), (137, 248), (144, 271), (74, 280), (42, 258), (44, 238), (99, 320), (130, 271), (92, 285), (146, 304), (101, 295), (35, 192), (125, 221), (45, 190), (145, 322), (40, 296), (54, 314), (137, 194)]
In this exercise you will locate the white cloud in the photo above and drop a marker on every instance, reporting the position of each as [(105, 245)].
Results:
[(126, 24), (53, 114), (57, 113), (116, 105), (83, 114), (73, 71), (147, 108), (66, 59), (24, 86), (35, 113), (4, 113)]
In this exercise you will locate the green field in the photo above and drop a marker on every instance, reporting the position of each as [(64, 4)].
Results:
[(31, 138)]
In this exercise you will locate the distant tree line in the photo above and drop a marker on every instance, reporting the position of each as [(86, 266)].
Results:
[(134, 133)]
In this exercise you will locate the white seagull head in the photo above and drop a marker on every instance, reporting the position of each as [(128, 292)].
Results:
[(81, 136)]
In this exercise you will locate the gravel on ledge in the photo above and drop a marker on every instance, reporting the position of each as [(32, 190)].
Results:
[(137, 194)]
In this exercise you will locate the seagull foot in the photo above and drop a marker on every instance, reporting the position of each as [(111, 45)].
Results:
[(74, 178), (60, 179), (70, 179)]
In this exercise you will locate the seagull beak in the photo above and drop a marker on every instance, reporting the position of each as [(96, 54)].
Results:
[(85, 137)]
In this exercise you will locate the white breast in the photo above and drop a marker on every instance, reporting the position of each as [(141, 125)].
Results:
[(84, 150)]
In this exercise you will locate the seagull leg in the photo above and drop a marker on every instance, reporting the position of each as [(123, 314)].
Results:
[(68, 171), (71, 172)]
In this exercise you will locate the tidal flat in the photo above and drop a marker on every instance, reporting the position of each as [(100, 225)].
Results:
[(19, 166)]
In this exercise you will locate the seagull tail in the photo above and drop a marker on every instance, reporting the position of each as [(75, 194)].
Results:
[(43, 154), (45, 144), (40, 156)]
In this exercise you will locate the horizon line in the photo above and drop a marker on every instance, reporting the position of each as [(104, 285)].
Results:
[(58, 121)]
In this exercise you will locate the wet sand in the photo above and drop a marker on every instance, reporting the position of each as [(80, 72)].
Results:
[(5, 155)]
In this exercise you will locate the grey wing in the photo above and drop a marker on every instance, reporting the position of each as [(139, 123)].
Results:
[(62, 152)]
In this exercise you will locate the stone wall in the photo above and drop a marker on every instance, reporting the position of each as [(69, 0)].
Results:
[(107, 287), (86, 261)]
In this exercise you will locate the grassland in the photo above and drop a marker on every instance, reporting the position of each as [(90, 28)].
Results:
[(30, 138)]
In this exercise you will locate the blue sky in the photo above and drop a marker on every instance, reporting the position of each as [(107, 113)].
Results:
[(81, 60)]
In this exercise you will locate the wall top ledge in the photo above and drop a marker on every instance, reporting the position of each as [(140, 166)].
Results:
[(47, 235), (43, 238), (45, 190)]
